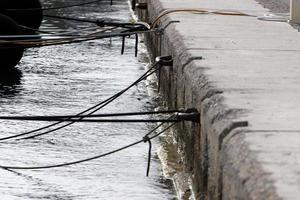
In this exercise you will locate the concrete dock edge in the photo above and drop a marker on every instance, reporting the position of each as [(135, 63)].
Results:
[(242, 76)]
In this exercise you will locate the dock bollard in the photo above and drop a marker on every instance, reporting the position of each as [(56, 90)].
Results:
[(295, 11)]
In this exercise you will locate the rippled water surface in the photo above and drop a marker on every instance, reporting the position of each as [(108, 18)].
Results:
[(66, 80)]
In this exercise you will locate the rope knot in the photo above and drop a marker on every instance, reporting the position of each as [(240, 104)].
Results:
[(146, 139)]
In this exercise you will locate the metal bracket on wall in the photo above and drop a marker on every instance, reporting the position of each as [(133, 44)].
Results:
[(190, 114), (160, 31), (141, 6), (163, 61)]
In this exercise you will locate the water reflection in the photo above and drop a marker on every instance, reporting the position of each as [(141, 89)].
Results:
[(10, 79)]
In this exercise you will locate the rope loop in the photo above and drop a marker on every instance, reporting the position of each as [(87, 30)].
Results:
[(147, 139)]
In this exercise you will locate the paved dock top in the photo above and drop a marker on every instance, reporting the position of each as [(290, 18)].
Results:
[(257, 66)]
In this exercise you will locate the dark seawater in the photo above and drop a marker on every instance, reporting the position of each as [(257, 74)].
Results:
[(66, 80)]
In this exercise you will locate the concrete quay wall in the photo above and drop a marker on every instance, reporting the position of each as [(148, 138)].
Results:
[(243, 76)]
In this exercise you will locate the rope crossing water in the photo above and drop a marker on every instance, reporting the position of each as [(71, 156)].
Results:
[(181, 115), (40, 42), (146, 138), (103, 22), (36, 132), (92, 116)]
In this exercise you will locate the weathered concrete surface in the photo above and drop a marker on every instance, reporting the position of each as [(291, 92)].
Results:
[(234, 69), (279, 6)]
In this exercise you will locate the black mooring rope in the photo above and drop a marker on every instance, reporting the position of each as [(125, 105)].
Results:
[(97, 109), (147, 139), (93, 109), (102, 22), (189, 115), (78, 39), (123, 45), (94, 157), (89, 116), (70, 123), (136, 44), (105, 120)]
